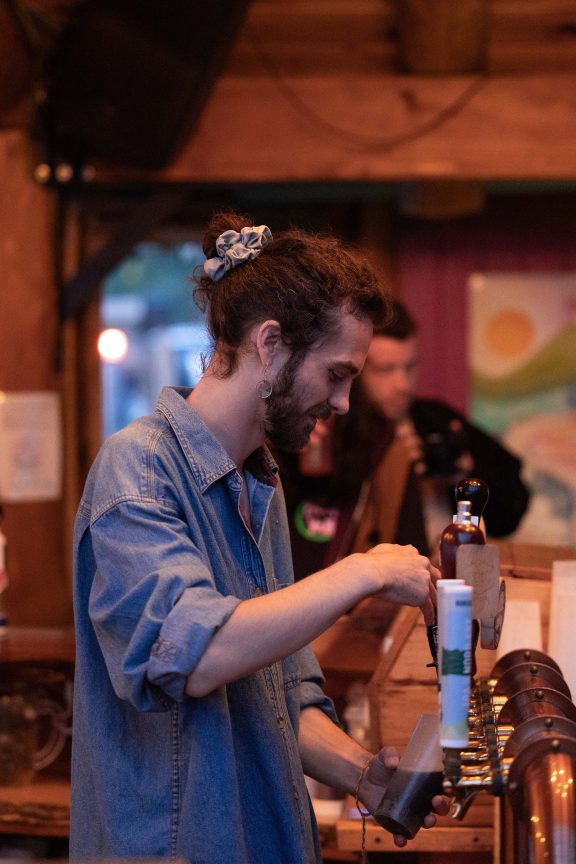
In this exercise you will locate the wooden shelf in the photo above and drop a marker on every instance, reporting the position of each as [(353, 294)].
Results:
[(37, 643), (39, 809), (438, 839)]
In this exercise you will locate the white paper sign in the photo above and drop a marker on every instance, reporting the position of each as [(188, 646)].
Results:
[(30, 446), (562, 616)]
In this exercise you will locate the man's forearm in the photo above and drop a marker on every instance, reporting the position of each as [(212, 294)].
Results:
[(332, 757), (328, 754), (266, 629)]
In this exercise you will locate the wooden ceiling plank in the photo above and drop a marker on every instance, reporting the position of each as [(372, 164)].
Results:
[(524, 36)]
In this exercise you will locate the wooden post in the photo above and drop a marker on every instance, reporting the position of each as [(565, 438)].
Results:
[(39, 591), (442, 36)]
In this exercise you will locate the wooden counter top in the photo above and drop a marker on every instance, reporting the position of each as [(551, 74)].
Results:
[(448, 836)]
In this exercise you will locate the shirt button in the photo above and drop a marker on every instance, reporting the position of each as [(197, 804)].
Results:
[(296, 795), (281, 723), (257, 592)]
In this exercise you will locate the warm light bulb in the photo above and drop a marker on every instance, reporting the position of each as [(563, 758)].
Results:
[(113, 345)]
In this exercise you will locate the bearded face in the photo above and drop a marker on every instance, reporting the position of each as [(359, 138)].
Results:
[(315, 383), (290, 418)]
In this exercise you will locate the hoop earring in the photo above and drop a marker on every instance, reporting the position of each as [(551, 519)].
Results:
[(264, 389)]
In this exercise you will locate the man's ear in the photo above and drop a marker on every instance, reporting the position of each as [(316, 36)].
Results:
[(268, 340)]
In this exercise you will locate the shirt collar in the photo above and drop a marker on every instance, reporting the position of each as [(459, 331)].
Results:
[(206, 456)]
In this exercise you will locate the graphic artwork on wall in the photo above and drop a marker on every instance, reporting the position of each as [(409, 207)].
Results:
[(522, 358)]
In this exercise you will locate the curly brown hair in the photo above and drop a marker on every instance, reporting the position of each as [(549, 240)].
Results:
[(300, 279), (399, 325)]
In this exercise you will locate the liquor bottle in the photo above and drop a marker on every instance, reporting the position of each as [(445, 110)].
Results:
[(315, 460), (474, 493), (459, 533), (3, 579)]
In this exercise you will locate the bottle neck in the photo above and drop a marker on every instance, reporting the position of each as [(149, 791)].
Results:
[(463, 514)]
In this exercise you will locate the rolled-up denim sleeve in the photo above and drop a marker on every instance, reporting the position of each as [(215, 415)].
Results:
[(312, 683), (184, 636), (153, 603)]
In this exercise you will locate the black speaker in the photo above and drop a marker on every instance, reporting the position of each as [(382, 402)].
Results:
[(131, 77)]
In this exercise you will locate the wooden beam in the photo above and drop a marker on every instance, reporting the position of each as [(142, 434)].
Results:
[(15, 66), (362, 36), (39, 589), (442, 36), (379, 128)]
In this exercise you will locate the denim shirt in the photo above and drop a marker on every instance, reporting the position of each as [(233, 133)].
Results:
[(162, 559)]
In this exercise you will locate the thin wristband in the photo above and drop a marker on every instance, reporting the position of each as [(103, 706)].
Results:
[(362, 812)]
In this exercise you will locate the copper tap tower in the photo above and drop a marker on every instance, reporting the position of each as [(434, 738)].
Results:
[(523, 750)]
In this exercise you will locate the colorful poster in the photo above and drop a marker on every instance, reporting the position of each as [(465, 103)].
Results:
[(522, 359)]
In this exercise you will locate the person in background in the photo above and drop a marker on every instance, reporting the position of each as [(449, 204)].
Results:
[(443, 446), (198, 705), (352, 486), (386, 471)]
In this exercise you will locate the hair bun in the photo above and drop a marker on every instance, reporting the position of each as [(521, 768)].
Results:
[(220, 223)]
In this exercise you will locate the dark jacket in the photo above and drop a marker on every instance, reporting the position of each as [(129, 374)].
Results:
[(500, 469)]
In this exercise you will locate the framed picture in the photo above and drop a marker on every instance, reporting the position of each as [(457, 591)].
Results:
[(522, 360)]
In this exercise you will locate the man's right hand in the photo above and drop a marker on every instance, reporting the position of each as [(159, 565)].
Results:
[(406, 433), (406, 577)]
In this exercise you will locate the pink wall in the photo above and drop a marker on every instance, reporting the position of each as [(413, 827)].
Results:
[(434, 261)]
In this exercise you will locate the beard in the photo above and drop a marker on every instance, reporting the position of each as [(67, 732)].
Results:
[(285, 422)]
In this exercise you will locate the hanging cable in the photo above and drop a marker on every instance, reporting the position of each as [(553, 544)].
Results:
[(357, 139)]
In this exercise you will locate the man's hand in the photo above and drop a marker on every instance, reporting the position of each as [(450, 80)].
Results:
[(465, 462), (376, 778), (464, 468), (463, 465), (406, 433), (409, 578)]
